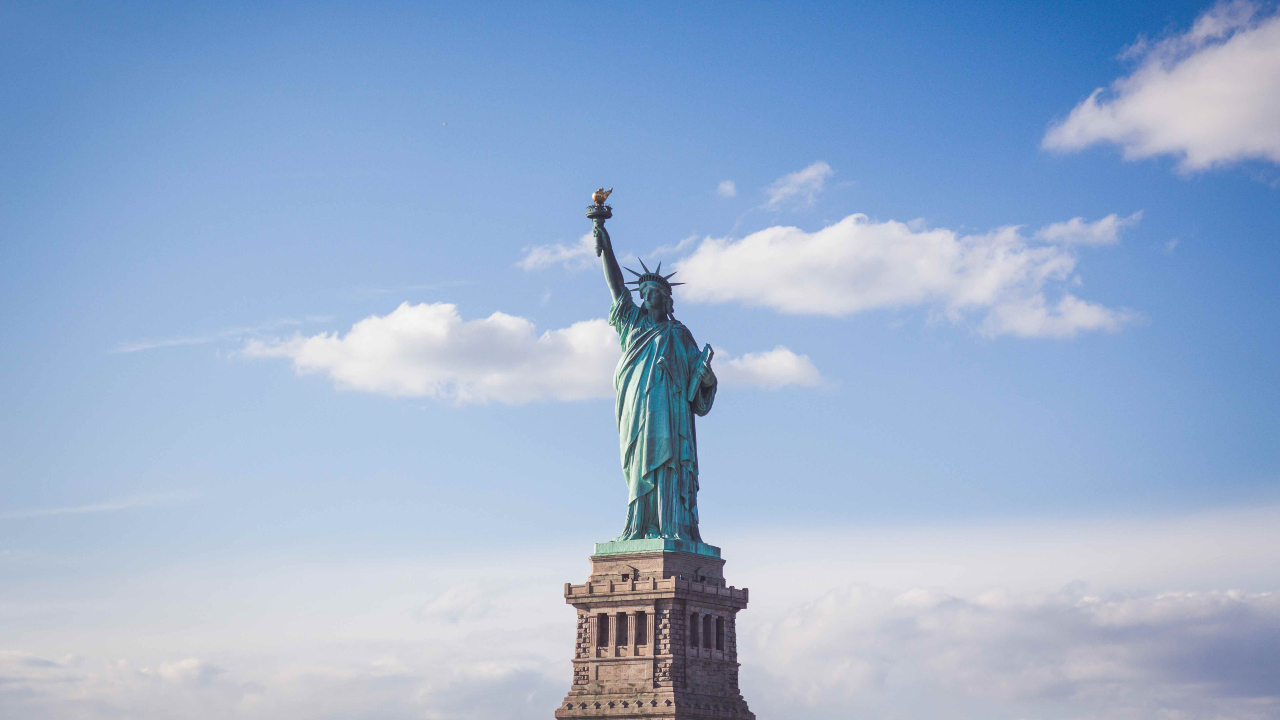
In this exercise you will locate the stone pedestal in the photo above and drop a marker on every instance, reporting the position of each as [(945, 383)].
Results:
[(657, 634)]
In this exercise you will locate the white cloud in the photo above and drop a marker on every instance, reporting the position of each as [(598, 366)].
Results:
[(191, 671), (665, 250), (1032, 316), (294, 640), (578, 256), (428, 350), (726, 188), (856, 265), (112, 506), (798, 189), (1078, 231), (130, 346), (973, 621), (772, 369), (1177, 654), (228, 334), (885, 653), (464, 601), (1209, 96), (389, 681)]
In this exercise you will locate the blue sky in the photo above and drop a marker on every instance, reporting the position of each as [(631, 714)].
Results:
[(952, 293)]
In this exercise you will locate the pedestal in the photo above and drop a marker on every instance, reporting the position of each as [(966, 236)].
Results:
[(657, 634)]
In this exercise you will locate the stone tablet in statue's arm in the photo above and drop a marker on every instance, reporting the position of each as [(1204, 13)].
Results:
[(702, 383)]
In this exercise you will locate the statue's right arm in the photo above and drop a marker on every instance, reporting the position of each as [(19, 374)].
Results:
[(612, 272)]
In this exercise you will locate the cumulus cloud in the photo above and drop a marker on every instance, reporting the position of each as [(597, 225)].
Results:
[(1078, 231), (799, 189), (771, 369), (857, 265), (428, 350), (578, 256), (1209, 96), (726, 188)]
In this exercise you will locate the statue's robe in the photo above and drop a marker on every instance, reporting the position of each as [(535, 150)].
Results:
[(655, 422)]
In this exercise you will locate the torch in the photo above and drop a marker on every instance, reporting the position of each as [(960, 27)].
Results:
[(599, 212)]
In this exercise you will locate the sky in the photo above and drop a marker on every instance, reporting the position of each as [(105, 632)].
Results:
[(308, 381)]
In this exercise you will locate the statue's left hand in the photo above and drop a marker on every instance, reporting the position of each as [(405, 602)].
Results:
[(708, 377), (703, 377)]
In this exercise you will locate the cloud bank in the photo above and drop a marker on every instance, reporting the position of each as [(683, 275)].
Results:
[(429, 350), (1178, 655), (874, 652), (856, 265), (1209, 96), (1116, 620)]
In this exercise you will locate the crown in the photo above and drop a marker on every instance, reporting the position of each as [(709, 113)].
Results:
[(651, 276)]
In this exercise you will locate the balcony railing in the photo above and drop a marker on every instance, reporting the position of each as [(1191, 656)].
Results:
[(614, 587)]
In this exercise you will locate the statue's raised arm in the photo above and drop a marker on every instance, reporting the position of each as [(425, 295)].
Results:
[(599, 212)]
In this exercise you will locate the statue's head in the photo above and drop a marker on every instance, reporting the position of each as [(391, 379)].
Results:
[(656, 296), (654, 288)]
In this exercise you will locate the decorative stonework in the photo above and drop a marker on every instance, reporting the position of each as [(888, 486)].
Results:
[(643, 607), (582, 648)]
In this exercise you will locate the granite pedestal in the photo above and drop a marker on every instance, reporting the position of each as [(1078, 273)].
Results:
[(656, 634)]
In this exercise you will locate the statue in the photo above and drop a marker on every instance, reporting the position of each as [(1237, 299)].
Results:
[(661, 382)]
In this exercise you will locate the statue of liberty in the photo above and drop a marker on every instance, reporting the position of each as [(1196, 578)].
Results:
[(661, 382)]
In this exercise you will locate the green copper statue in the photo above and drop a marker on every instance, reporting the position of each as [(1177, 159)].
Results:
[(662, 381)]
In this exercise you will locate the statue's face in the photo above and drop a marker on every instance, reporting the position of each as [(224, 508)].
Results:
[(654, 298)]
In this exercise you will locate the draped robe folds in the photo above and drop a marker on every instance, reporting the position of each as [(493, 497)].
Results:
[(655, 422)]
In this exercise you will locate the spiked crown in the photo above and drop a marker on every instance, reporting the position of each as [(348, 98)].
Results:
[(654, 276)]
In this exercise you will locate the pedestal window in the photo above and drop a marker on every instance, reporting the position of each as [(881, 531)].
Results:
[(622, 629), (602, 630)]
